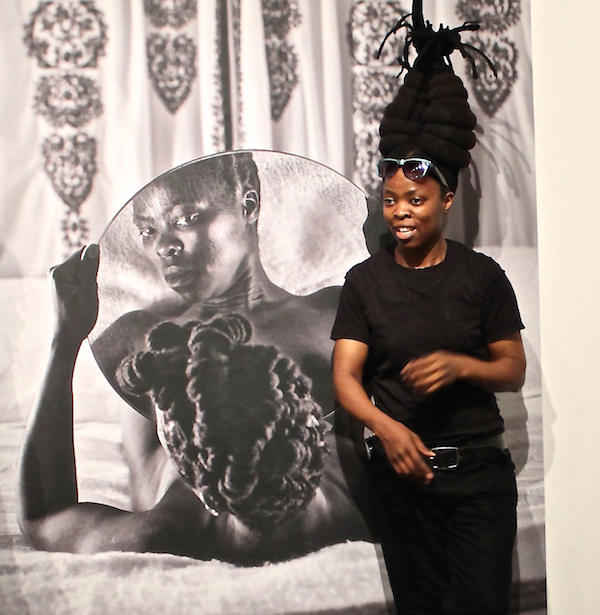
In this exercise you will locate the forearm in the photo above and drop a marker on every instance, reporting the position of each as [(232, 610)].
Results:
[(404, 449), (503, 374), (504, 370), (352, 396), (47, 479)]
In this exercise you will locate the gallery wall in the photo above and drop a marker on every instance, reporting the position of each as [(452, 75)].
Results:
[(566, 48)]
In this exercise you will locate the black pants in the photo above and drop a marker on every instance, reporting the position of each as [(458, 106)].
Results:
[(448, 545)]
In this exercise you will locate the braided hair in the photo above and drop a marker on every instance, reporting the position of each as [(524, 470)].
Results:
[(238, 420), (430, 115)]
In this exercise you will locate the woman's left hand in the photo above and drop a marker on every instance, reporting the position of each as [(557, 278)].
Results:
[(76, 294), (432, 372)]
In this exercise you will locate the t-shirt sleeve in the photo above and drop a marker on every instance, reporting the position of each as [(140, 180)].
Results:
[(351, 319), (501, 316)]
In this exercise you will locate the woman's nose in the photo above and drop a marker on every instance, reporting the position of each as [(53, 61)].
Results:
[(169, 246), (401, 212)]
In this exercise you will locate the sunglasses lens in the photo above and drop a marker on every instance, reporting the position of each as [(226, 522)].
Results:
[(387, 168), (412, 168), (416, 169)]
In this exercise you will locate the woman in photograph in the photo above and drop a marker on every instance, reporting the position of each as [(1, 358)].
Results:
[(197, 227), (251, 476)]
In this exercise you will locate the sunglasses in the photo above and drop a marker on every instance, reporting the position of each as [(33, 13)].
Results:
[(413, 168)]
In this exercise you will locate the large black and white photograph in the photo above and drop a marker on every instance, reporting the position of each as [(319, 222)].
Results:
[(202, 201), (188, 314)]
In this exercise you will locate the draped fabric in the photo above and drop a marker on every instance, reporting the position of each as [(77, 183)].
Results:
[(100, 97)]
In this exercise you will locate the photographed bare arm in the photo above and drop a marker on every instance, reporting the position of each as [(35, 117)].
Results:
[(504, 371), (404, 448), (49, 513)]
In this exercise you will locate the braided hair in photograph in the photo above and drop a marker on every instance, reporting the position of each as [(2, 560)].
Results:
[(238, 420)]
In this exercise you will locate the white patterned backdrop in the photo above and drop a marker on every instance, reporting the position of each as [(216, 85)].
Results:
[(97, 98), (100, 96)]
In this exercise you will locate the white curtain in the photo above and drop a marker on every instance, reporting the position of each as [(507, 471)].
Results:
[(98, 97), (159, 83)]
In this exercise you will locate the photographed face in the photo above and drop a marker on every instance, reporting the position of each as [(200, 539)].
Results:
[(415, 210), (198, 243)]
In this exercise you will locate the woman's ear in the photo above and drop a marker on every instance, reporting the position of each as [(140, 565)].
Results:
[(251, 206), (448, 199)]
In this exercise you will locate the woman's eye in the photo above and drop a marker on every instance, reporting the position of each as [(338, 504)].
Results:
[(147, 232), (416, 201), (186, 221), (388, 200)]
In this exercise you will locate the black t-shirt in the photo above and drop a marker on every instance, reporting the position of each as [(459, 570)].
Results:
[(460, 305)]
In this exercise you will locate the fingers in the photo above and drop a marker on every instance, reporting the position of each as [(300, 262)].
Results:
[(414, 469), (90, 258), (67, 264), (420, 469), (90, 252), (408, 459), (87, 257), (421, 368), (430, 373)]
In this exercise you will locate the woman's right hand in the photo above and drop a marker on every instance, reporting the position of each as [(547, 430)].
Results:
[(76, 294), (406, 451), (403, 447)]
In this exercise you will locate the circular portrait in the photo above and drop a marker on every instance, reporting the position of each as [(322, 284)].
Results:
[(218, 287)]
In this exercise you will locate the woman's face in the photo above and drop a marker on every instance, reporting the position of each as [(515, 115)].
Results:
[(199, 246), (415, 211)]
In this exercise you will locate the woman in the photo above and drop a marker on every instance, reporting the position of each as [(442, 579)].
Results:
[(426, 331), (255, 483)]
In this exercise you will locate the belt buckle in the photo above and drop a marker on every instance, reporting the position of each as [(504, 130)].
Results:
[(446, 458)]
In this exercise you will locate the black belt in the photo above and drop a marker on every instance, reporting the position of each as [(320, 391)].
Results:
[(446, 457), (450, 457)]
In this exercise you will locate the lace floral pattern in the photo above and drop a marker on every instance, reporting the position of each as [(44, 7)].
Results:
[(71, 164), (66, 38), (280, 17), (494, 16), (373, 90), (174, 13), (371, 21), (374, 82), (67, 100), (171, 53), (491, 92), (172, 67), (66, 34)]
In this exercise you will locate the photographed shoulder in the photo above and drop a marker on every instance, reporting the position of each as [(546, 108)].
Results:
[(135, 323)]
